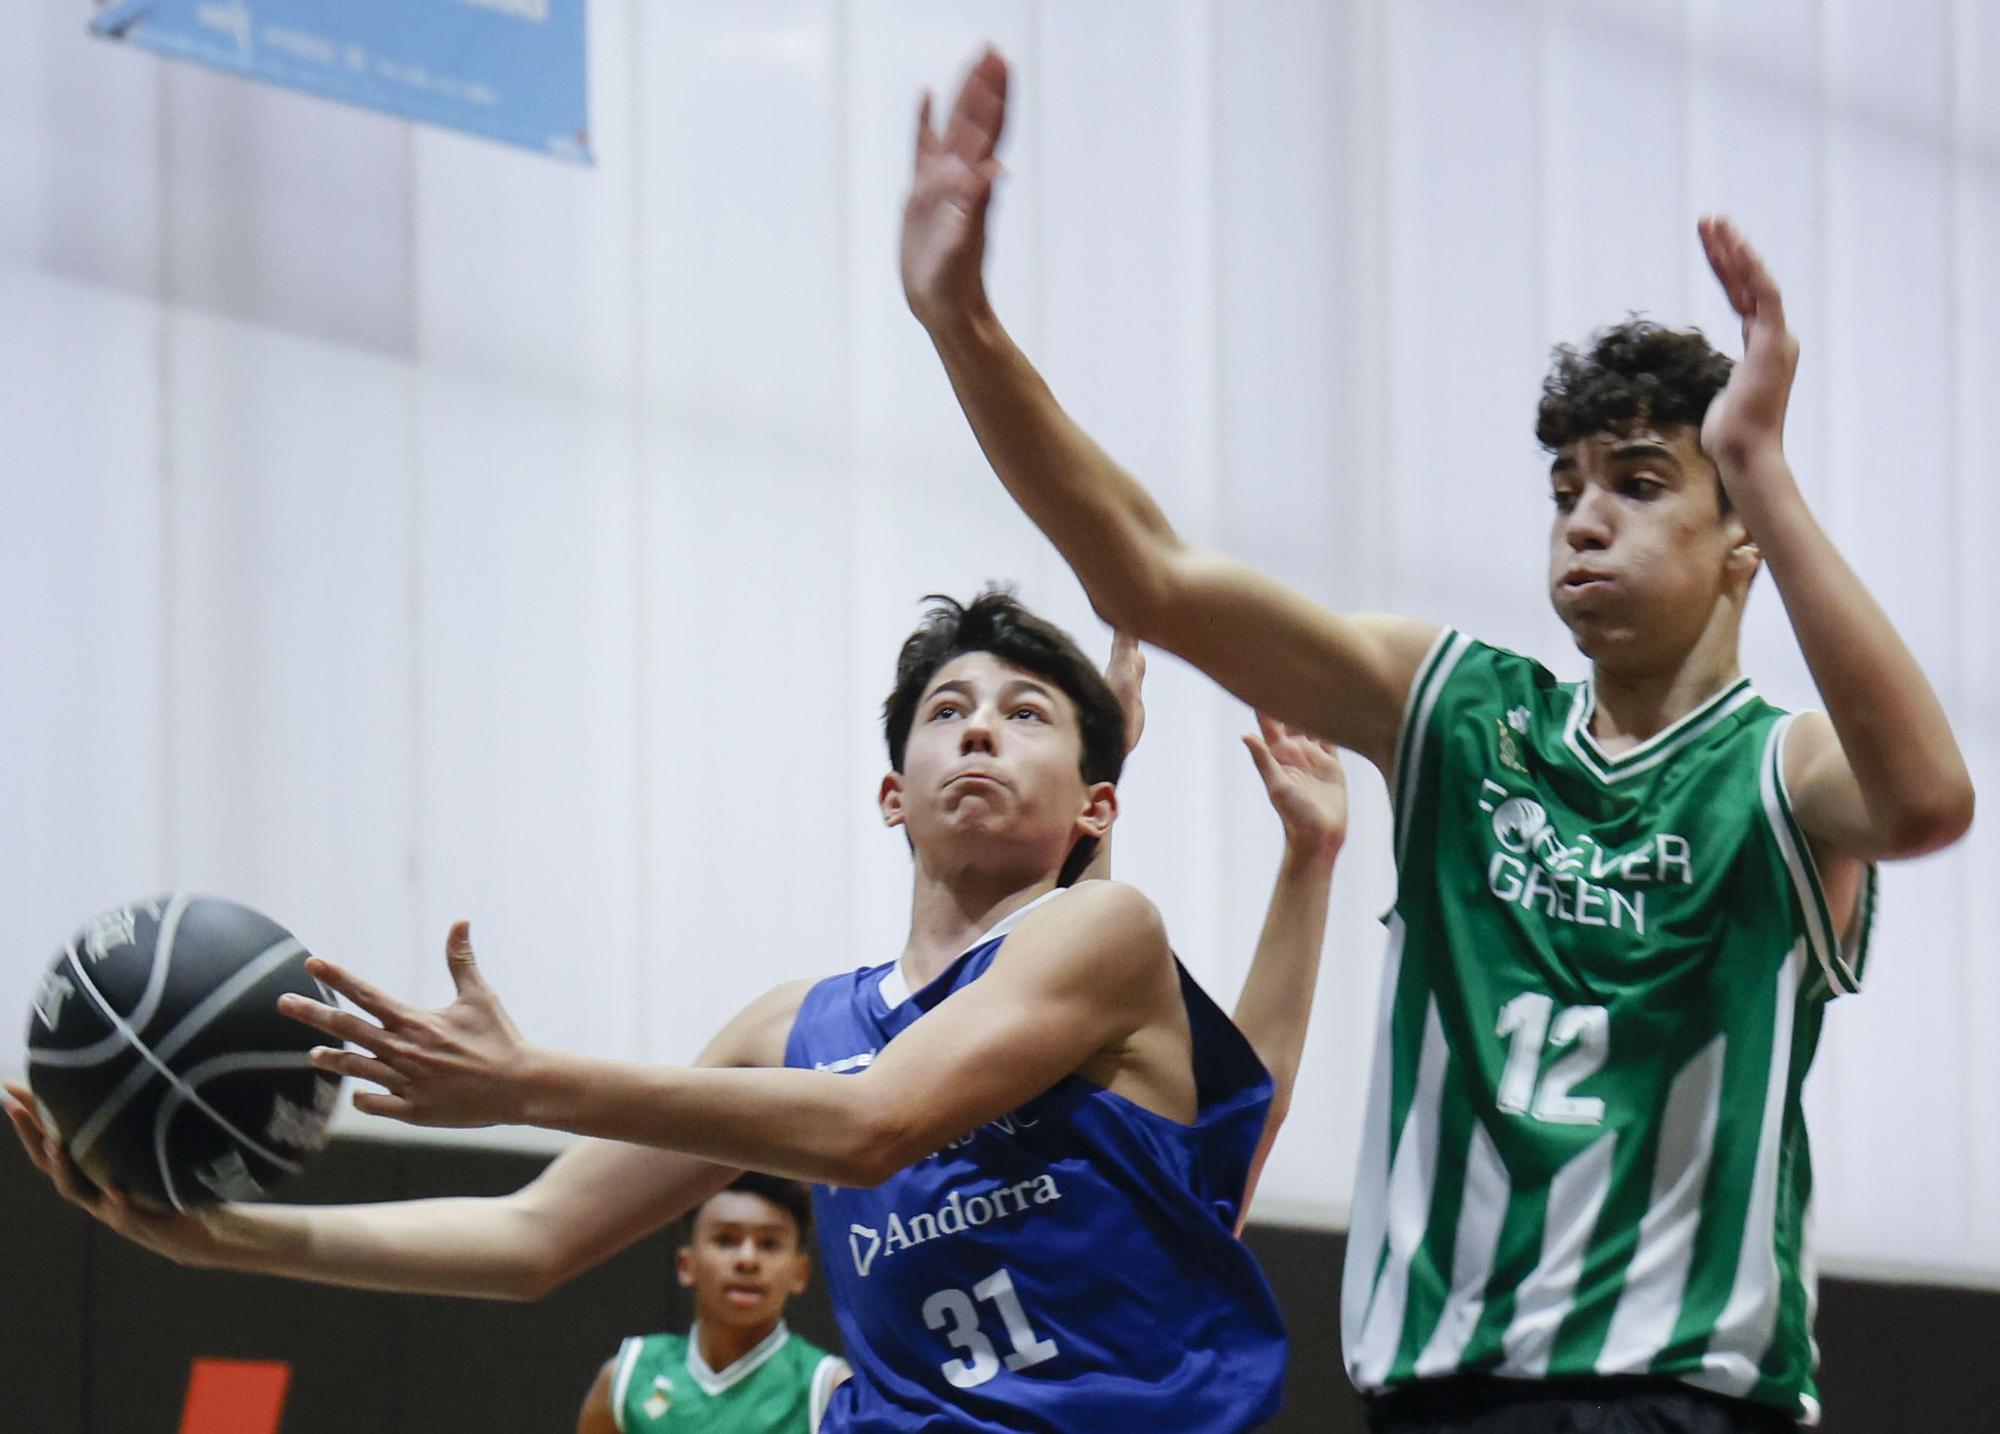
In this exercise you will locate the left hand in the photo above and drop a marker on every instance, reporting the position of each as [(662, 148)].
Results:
[(461, 1066), (1746, 422), (1306, 783), (1125, 673)]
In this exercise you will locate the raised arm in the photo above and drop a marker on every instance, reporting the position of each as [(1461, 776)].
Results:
[(1306, 784), (1343, 678), (1081, 976), (593, 1200), (1880, 774)]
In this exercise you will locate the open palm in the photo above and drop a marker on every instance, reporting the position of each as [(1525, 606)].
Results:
[(944, 222)]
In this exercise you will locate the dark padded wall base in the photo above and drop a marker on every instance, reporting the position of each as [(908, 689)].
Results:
[(97, 1336)]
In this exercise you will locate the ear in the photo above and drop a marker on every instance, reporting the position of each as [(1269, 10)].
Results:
[(684, 1266), (1745, 557), (889, 798), (802, 1268), (1100, 810)]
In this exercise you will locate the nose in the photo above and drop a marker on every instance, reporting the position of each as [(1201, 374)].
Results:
[(1587, 525), (975, 734), (746, 1253)]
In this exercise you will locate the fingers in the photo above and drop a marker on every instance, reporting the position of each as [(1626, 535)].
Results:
[(377, 1003), (341, 1025), (927, 140), (361, 1067), (370, 1102), (458, 957), (973, 130), (1267, 765), (34, 1140)]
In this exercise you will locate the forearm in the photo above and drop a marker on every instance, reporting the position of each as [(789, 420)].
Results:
[(480, 1248), (1107, 527), (808, 1125), (1891, 726), (1276, 1003)]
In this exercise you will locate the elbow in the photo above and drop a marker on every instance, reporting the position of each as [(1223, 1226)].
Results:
[(1135, 592), (1933, 824), (880, 1142)]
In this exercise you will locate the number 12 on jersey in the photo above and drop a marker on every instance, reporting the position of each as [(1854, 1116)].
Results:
[(1530, 1021), (954, 1312)]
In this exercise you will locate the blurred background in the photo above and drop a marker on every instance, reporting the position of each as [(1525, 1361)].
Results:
[(397, 527)]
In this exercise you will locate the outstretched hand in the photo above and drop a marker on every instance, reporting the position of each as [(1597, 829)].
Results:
[(1747, 419), (1125, 673), (1306, 783), (459, 1066), (944, 221), (178, 1237)]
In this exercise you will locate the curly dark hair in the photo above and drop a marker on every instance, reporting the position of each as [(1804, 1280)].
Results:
[(997, 622), (1631, 373)]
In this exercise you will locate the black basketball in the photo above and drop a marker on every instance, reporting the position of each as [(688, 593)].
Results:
[(157, 1052)]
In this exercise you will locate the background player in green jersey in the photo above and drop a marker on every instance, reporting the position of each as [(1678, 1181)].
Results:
[(739, 1369), (1584, 1175)]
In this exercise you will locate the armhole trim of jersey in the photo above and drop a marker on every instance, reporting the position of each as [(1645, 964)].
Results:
[(1839, 962), (621, 1383), (824, 1373), (1449, 646)]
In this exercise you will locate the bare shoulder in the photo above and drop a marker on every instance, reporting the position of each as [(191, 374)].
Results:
[(756, 1035), (1107, 929)]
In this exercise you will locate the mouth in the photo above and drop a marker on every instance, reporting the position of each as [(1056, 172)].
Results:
[(1581, 581), (744, 1294), (974, 779)]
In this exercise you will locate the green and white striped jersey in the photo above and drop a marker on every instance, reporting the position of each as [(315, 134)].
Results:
[(1584, 1150)]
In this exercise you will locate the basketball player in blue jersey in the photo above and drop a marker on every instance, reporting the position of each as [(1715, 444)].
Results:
[(1031, 1134), (1622, 904)]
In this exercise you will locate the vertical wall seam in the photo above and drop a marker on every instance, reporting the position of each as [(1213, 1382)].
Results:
[(639, 429)]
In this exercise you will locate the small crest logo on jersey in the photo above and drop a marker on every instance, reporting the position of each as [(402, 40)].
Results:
[(1510, 750), (56, 989), (661, 1399), (865, 1244)]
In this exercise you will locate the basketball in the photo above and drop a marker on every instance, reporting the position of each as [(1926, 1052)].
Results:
[(156, 1050)]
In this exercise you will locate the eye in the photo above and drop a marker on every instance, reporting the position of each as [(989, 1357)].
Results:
[(944, 709), (1642, 487), (1035, 712), (1564, 499)]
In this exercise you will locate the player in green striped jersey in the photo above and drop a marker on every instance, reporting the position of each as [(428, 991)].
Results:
[(1622, 904), (740, 1369)]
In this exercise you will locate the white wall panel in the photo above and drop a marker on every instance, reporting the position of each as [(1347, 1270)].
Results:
[(288, 546), (528, 795), (83, 649)]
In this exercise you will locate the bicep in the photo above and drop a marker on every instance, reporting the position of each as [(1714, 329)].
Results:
[(1826, 799), (1341, 677), (1074, 979)]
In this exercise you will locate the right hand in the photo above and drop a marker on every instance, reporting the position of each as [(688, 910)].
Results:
[(944, 221), (181, 1238), (1125, 673)]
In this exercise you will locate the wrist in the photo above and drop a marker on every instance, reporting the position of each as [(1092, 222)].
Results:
[(539, 1082), (1313, 853), (956, 320)]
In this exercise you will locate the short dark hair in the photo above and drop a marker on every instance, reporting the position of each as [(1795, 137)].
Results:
[(997, 622), (1629, 374), (787, 1195)]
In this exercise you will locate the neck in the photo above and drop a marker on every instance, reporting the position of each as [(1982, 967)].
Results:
[(948, 914), (723, 1344), (1634, 704)]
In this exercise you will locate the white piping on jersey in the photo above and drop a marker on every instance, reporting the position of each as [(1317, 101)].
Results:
[(1412, 1182), (621, 1383), (1657, 748), (1840, 978), (1417, 718), (895, 986), (1371, 1180), (1545, 1298), (829, 1369), (1748, 1321), (752, 1360), (1656, 1278), (1481, 1214)]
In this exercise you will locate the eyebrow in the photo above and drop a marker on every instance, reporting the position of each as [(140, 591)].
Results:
[(1636, 448), (1012, 686)]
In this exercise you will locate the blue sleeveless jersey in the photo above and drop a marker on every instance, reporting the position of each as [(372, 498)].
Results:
[(1069, 1266)]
